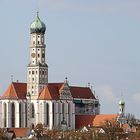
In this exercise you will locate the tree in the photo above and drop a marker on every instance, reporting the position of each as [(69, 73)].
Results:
[(3, 135), (112, 130), (39, 130)]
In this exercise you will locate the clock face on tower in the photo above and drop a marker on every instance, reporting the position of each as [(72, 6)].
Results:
[(33, 55)]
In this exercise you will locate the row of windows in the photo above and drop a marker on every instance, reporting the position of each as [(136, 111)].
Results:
[(41, 80), (39, 61), (38, 42), (37, 36), (36, 72), (39, 50)]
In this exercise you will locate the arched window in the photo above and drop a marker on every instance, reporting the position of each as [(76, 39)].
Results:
[(13, 115), (63, 107), (32, 111), (20, 115), (41, 112), (69, 113), (47, 114), (26, 115), (5, 114), (53, 112)]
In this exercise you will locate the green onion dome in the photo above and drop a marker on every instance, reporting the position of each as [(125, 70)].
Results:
[(37, 26), (121, 102)]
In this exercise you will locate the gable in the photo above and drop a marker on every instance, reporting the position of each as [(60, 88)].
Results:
[(15, 91)]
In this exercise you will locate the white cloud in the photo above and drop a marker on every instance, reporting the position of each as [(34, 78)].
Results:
[(106, 93), (136, 97)]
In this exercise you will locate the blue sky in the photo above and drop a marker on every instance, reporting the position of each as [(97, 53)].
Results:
[(87, 41)]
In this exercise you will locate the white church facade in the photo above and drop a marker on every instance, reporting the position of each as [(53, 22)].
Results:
[(38, 101)]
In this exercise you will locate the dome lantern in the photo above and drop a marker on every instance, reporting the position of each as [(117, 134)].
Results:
[(121, 102)]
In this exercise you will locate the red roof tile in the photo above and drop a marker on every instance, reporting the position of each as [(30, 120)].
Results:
[(19, 132), (81, 92), (15, 91), (93, 120), (50, 92)]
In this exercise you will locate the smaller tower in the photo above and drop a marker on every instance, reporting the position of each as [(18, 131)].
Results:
[(121, 108)]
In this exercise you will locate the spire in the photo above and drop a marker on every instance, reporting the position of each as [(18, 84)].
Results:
[(37, 13)]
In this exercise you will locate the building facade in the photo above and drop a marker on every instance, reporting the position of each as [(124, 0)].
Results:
[(37, 101)]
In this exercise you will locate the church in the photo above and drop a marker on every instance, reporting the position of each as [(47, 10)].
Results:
[(23, 105)]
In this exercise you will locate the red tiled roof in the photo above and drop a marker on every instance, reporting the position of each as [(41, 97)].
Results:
[(15, 91), (81, 92), (19, 132), (51, 91), (93, 120)]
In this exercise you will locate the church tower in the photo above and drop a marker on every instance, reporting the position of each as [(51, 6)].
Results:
[(37, 75), (121, 108)]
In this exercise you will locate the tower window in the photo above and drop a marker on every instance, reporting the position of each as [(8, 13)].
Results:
[(33, 79), (32, 72), (38, 50), (43, 55), (36, 72), (33, 42), (38, 55), (29, 72), (32, 111), (38, 36), (38, 42)]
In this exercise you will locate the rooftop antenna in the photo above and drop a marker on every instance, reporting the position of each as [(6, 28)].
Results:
[(12, 78), (121, 95), (91, 88), (89, 84), (37, 7)]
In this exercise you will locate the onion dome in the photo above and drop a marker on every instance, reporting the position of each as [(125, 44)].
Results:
[(37, 26), (121, 102)]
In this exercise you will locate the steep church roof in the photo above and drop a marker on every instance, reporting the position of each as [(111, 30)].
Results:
[(15, 91), (50, 92)]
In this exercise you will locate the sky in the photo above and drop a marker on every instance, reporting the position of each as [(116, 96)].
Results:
[(90, 41)]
